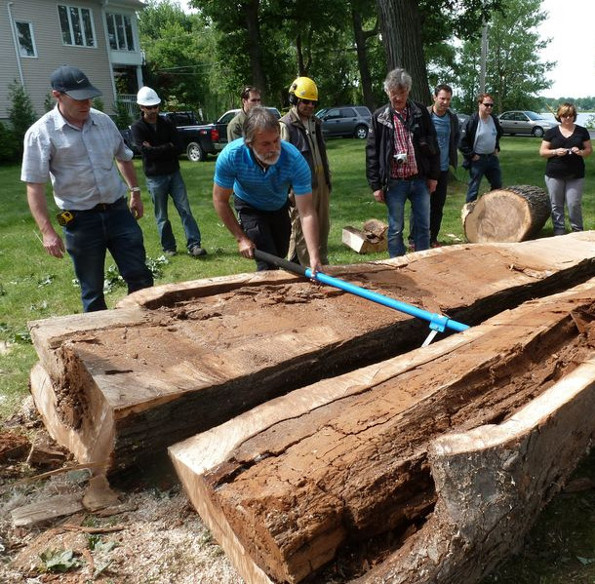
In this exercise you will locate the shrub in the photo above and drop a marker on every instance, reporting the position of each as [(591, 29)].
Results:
[(20, 113)]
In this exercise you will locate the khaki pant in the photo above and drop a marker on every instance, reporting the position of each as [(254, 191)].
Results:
[(297, 243)]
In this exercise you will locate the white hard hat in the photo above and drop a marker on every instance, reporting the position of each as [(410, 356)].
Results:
[(147, 96)]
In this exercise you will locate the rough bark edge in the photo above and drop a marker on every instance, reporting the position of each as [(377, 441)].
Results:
[(488, 497), (44, 396)]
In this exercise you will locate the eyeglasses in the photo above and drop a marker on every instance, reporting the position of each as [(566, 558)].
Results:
[(151, 107), (308, 101), (488, 104)]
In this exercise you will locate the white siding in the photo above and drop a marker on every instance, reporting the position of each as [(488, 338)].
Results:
[(43, 14)]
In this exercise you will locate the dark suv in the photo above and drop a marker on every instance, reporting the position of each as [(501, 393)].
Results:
[(352, 121)]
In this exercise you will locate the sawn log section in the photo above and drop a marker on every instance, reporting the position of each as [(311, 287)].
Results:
[(285, 486), (175, 360), (510, 214)]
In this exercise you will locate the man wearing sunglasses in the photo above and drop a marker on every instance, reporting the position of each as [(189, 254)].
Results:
[(160, 146), (303, 129), (480, 145)]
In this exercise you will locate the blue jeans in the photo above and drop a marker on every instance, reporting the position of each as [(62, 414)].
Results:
[(398, 192), (488, 165), (87, 239), (161, 187)]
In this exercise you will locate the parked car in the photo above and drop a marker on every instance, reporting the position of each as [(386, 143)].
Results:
[(351, 121), (223, 121), (525, 122), (463, 118)]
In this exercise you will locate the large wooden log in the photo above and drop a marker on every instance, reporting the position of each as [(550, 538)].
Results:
[(492, 482), (285, 486), (509, 214), (175, 360)]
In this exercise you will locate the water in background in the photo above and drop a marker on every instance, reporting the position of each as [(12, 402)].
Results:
[(581, 118)]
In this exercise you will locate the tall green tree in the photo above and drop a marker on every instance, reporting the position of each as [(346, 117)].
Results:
[(413, 30), (178, 54), (515, 74)]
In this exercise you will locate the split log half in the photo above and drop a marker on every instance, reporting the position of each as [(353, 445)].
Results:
[(118, 386), (509, 214), (286, 486)]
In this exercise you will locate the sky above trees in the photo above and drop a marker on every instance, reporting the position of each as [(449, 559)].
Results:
[(570, 26)]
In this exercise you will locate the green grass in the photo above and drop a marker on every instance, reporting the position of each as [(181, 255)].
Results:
[(34, 285)]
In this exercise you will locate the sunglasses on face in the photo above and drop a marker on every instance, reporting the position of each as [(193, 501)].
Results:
[(488, 104), (151, 107), (308, 101)]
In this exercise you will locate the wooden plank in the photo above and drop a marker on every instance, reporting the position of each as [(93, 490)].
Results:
[(199, 353), (285, 486), (51, 508)]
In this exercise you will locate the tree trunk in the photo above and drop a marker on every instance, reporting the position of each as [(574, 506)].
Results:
[(250, 9), (506, 215), (401, 34), (195, 354), (361, 37), (346, 459)]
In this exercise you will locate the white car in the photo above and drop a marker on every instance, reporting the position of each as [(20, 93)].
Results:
[(525, 122)]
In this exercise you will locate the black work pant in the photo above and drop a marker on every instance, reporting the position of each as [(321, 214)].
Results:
[(269, 230)]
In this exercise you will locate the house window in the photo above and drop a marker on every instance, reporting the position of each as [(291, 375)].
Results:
[(77, 26), (119, 31), (26, 39)]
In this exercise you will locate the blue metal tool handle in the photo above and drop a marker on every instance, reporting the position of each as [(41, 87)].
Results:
[(437, 322)]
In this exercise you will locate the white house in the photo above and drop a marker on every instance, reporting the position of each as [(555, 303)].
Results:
[(98, 36)]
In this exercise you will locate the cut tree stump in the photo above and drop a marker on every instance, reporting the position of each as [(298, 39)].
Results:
[(497, 416), (117, 386), (506, 215)]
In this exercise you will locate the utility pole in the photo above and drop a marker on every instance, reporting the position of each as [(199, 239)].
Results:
[(484, 57)]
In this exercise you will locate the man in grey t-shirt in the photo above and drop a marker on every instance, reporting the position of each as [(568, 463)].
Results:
[(480, 146)]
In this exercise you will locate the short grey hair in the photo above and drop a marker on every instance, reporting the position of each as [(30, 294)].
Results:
[(397, 79), (259, 119)]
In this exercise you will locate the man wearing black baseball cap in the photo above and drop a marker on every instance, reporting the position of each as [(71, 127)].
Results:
[(75, 146), (73, 82)]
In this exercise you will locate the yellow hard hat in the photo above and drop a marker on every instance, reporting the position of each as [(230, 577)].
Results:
[(304, 88)]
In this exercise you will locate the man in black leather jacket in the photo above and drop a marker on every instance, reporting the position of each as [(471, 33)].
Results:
[(403, 161)]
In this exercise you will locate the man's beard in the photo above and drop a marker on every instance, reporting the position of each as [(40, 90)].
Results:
[(269, 158)]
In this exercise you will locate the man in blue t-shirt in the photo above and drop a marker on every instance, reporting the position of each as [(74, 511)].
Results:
[(259, 170)]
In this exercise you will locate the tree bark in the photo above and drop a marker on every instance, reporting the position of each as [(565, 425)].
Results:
[(250, 10), (402, 38), (361, 36)]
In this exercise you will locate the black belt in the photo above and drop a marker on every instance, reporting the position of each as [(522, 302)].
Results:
[(104, 206)]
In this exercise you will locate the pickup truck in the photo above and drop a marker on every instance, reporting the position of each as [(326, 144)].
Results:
[(198, 139)]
